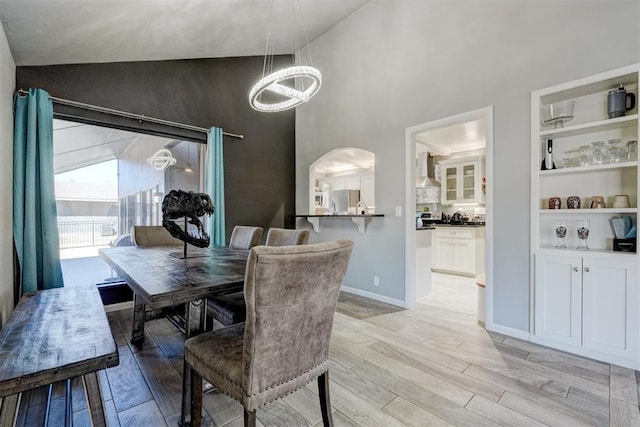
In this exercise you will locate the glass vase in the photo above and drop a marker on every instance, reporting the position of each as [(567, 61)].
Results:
[(560, 227), (583, 234)]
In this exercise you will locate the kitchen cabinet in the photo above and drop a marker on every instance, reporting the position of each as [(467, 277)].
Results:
[(558, 297), (368, 190), (584, 301), (588, 305), (459, 250), (462, 180), (345, 182)]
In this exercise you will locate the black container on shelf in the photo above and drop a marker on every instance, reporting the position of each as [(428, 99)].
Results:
[(624, 245)]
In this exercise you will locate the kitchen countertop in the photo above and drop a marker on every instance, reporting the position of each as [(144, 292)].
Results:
[(426, 227)]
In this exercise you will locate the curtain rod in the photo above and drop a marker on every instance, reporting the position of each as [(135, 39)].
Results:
[(139, 117)]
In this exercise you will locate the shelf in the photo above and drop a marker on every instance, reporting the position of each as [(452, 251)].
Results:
[(591, 127), (359, 220), (603, 211), (593, 168), (600, 253)]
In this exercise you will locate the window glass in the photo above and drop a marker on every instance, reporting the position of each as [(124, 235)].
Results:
[(105, 185)]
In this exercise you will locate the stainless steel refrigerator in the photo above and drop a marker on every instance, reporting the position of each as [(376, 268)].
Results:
[(341, 200)]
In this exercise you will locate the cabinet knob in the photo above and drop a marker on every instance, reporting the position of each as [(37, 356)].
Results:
[(587, 269), (575, 268)]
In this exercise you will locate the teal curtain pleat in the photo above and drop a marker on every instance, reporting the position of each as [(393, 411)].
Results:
[(35, 228), (214, 185)]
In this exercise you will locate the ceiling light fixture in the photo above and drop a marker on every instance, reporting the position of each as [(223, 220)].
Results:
[(289, 87), (161, 159)]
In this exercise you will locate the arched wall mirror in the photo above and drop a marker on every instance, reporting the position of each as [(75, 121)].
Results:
[(340, 179)]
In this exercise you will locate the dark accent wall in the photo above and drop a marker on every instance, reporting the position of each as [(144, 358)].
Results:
[(259, 170)]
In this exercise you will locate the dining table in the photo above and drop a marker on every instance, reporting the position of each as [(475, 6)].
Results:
[(160, 277)]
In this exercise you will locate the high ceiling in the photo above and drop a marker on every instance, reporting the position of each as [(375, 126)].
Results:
[(47, 32)]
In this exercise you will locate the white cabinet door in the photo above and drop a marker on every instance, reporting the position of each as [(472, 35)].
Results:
[(468, 182), (368, 189), (610, 306), (352, 182), (558, 298), (443, 254), (461, 180), (463, 255), (449, 184)]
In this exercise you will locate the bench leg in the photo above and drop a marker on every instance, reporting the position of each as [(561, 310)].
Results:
[(9, 410), (137, 333), (94, 400)]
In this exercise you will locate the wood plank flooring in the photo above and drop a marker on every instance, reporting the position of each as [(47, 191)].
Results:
[(432, 365)]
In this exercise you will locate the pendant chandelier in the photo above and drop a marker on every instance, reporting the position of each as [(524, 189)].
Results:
[(161, 159), (288, 87)]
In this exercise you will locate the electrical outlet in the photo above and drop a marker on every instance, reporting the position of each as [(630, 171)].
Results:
[(376, 281), (398, 210)]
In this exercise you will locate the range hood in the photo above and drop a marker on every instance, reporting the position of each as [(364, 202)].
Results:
[(425, 171)]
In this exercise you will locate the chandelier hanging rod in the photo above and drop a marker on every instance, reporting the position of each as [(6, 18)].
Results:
[(138, 117)]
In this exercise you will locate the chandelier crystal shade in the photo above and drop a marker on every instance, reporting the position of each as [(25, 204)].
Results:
[(161, 159), (288, 87)]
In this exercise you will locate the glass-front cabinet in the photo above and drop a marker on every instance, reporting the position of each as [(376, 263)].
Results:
[(462, 180)]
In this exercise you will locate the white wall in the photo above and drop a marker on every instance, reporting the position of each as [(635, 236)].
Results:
[(395, 64), (7, 88)]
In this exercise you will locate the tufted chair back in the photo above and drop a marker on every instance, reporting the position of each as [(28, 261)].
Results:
[(244, 237), (152, 235), (284, 237)]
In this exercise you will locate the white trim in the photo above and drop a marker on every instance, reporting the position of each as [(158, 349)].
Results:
[(511, 332), (485, 113), (371, 295), (118, 306), (585, 352)]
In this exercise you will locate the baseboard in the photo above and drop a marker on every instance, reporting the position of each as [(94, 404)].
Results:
[(511, 332), (371, 295), (118, 306), (585, 352)]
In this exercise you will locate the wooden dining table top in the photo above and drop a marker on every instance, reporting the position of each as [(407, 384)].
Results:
[(162, 279)]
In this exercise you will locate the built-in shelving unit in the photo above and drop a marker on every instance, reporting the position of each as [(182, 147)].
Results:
[(585, 301)]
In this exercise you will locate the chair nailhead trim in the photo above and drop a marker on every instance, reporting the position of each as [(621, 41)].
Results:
[(289, 380)]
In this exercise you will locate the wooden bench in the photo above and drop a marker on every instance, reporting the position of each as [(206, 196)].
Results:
[(55, 335)]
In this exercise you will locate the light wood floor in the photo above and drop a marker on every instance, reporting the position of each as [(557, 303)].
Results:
[(428, 366)]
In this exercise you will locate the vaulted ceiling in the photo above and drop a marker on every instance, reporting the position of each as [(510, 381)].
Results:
[(47, 32)]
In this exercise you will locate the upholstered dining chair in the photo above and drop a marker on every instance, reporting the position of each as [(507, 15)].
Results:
[(152, 235), (230, 309), (245, 237), (291, 294), (286, 237)]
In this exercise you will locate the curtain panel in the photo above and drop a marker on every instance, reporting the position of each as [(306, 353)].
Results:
[(214, 185), (35, 229)]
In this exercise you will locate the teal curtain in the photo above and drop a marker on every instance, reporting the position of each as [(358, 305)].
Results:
[(214, 185), (35, 228)]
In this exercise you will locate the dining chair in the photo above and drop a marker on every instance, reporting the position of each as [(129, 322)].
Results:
[(152, 235), (157, 235), (291, 294), (245, 237), (230, 309), (286, 237)]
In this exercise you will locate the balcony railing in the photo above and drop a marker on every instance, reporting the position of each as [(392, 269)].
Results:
[(86, 233)]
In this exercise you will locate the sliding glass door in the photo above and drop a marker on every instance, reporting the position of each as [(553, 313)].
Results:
[(105, 185)]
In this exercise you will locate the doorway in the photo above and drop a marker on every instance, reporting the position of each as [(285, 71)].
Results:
[(420, 137)]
